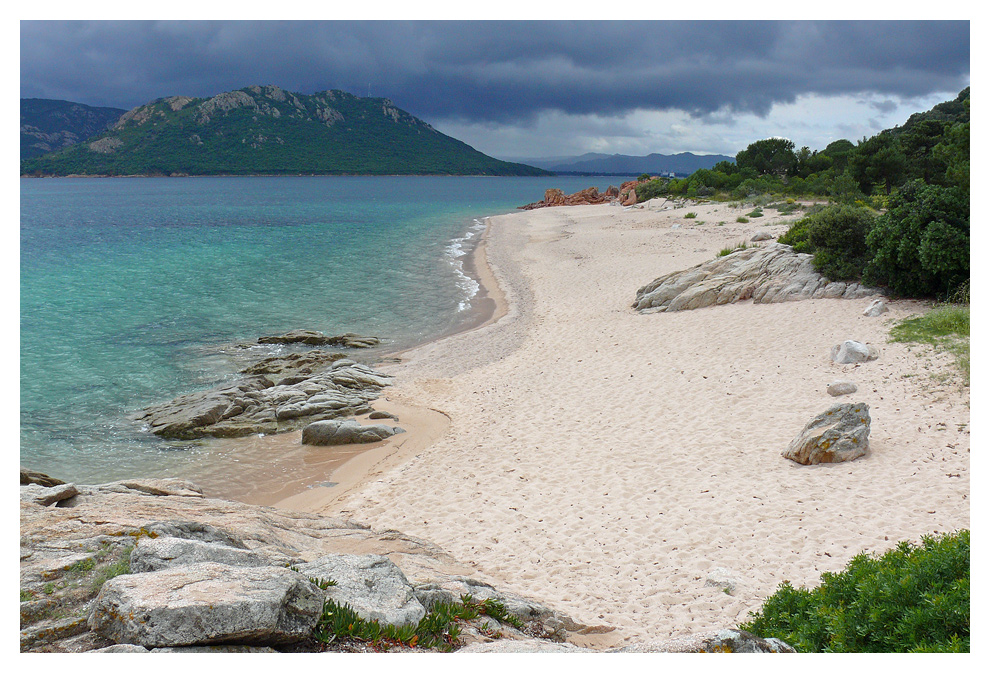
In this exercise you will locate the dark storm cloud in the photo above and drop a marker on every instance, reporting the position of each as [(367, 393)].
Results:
[(498, 71)]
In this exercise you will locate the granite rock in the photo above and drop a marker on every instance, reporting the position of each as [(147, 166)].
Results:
[(206, 603), (370, 584), (769, 274), (334, 433), (837, 435), (853, 352)]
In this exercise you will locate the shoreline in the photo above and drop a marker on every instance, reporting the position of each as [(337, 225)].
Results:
[(301, 476), (606, 462)]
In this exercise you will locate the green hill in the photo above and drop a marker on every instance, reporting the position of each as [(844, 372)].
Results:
[(49, 125), (266, 130)]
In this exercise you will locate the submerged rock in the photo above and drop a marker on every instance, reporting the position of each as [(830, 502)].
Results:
[(766, 275), (837, 435), (314, 338)]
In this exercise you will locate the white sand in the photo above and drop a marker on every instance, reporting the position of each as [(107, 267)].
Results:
[(603, 462)]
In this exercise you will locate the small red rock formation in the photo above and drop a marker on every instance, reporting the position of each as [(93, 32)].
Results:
[(586, 197)]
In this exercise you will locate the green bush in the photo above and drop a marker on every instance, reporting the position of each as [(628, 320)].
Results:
[(837, 235), (651, 189), (797, 236), (920, 246), (910, 599)]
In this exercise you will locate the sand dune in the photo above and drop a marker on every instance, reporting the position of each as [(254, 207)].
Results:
[(604, 462)]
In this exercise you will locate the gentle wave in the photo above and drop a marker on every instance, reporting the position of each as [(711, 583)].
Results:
[(454, 251)]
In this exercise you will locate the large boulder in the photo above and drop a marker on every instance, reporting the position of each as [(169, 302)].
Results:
[(207, 603), (369, 584), (837, 435), (770, 274), (853, 352), (334, 433)]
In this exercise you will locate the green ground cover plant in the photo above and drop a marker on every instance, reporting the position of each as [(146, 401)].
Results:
[(439, 629), (913, 598), (945, 327)]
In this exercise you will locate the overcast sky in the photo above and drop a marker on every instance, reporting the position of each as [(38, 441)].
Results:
[(526, 89)]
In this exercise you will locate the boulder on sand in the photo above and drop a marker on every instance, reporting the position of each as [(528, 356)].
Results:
[(336, 432), (837, 435), (853, 352)]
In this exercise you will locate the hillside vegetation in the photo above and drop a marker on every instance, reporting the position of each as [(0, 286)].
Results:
[(269, 131), (899, 201)]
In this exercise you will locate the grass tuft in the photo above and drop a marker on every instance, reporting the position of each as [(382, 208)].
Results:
[(945, 327)]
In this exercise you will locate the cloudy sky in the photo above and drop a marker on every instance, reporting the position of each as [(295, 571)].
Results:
[(526, 89)]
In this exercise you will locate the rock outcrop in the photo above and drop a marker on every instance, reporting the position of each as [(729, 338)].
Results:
[(586, 197), (851, 352), (837, 435), (770, 274), (257, 404), (335, 433), (202, 574)]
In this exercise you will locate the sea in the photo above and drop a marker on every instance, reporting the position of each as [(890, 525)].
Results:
[(136, 290)]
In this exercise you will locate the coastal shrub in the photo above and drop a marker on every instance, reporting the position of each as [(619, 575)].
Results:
[(756, 212), (914, 598), (690, 216), (920, 246), (797, 236), (651, 189), (742, 219), (837, 235)]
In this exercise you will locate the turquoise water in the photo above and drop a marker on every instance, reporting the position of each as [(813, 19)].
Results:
[(134, 290)]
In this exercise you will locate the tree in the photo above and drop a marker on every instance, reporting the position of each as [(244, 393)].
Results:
[(772, 156), (879, 159), (920, 246)]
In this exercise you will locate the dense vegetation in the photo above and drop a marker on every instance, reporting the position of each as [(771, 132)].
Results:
[(911, 599), (899, 211), (265, 130)]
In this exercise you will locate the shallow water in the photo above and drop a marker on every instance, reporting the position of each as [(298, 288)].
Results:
[(134, 290)]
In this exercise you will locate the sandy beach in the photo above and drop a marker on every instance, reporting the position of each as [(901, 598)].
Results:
[(605, 462)]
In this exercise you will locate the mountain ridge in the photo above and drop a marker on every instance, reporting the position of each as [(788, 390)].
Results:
[(265, 130), (594, 162), (48, 125)]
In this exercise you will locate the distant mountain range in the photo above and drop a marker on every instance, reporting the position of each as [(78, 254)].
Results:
[(264, 130), (684, 163), (49, 125)]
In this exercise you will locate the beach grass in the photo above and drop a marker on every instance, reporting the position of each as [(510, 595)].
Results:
[(945, 327)]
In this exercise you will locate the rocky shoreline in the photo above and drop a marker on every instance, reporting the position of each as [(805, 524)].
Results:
[(277, 394), (153, 565)]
